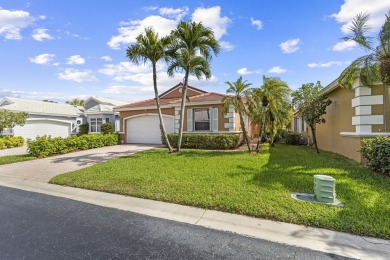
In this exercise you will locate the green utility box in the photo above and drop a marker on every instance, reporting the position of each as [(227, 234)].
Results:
[(324, 188)]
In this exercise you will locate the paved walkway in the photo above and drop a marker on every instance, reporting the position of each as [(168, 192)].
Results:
[(313, 238), (43, 170), (14, 151)]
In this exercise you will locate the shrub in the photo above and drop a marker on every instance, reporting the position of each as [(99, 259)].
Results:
[(107, 128), (292, 138), (206, 141), (83, 129), (11, 141), (45, 145), (377, 152)]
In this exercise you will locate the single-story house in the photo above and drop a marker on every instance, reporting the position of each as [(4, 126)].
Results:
[(99, 110), (61, 120), (353, 115), (45, 118), (203, 113)]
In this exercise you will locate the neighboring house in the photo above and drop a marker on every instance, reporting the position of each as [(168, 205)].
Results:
[(45, 118), (203, 114), (99, 110), (354, 114)]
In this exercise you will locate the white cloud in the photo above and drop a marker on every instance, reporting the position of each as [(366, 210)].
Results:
[(277, 70), (42, 17), (77, 75), (129, 90), (290, 46), (344, 46), (125, 70), (128, 32), (106, 58), (12, 22), (43, 59), (226, 46), (245, 71), (150, 8), (177, 13), (376, 8), (75, 59), (327, 64), (41, 34), (257, 23), (211, 17)]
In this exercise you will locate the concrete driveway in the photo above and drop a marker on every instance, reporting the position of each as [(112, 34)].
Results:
[(44, 169), (14, 151)]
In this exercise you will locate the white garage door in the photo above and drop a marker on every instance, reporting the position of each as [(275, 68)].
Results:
[(146, 129), (33, 128)]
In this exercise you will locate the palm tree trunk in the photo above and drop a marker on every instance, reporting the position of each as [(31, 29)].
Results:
[(244, 131), (162, 126), (272, 133), (313, 131), (259, 138), (182, 107)]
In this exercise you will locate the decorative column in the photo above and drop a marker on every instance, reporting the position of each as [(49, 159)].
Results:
[(232, 123), (177, 119), (363, 119)]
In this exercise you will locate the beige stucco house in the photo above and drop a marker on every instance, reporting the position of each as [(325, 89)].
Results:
[(139, 121), (353, 115)]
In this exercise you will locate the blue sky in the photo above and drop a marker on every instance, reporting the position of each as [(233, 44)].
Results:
[(66, 49)]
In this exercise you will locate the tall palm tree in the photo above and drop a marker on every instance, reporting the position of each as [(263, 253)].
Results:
[(239, 90), (151, 48), (277, 93), (375, 66), (76, 102), (193, 45)]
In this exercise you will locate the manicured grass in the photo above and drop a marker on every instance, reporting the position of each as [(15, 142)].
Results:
[(252, 184), (15, 158)]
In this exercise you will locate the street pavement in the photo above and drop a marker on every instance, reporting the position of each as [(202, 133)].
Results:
[(37, 226)]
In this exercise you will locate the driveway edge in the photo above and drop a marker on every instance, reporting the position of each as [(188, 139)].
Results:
[(328, 241)]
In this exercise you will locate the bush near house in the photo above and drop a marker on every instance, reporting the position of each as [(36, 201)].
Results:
[(206, 141), (107, 128), (83, 129), (44, 146), (292, 138), (11, 141), (377, 152)]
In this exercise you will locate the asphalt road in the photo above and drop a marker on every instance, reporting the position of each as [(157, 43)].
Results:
[(36, 226)]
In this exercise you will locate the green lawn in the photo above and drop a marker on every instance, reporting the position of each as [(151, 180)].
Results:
[(252, 184), (15, 158)]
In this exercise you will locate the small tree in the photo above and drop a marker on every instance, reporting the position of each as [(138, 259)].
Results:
[(311, 105), (10, 119), (76, 102), (107, 128)]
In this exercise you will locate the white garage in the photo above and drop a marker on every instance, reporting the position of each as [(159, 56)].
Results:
[(145, 129), (33, 128)]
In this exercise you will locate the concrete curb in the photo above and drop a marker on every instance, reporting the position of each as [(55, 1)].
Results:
[(313, 238)]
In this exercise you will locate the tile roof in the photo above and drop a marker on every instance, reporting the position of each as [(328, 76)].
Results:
[(205, 97), (40, 107)]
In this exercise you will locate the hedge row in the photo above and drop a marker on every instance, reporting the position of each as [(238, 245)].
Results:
[(206, 141), (45, 145), (377, 152), (11, 141)]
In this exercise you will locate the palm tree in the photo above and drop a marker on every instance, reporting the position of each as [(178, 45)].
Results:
[(151, 47), (193, 45), (375, 66), (277, 94), (76, 102), (239, 89)]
